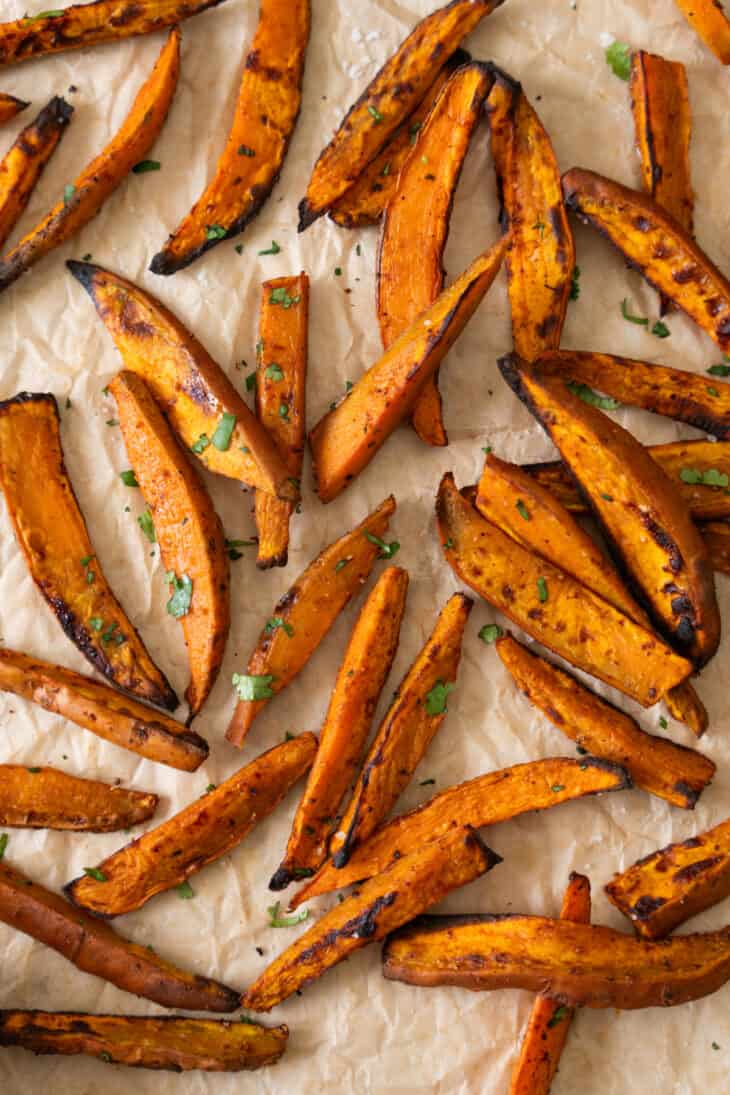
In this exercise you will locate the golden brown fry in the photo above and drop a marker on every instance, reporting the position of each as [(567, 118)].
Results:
[(384, 903), (44, 798), (9, 105), (201, 833), (305, 614), (360, 680), (716, 535), (709, 21), (83, 199)]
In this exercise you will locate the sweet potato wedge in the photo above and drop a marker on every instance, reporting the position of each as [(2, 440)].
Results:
[(393, 898), (668, 887), (485, 800), (53, 537), (716, 535), (201, 833), (281, 379), (10, 106), (92, 946), (187, 528), (390, 97), (416, 222), (419, 707), (305, 614), (83, 199), (163, 1042), (360, 680), (44, 798), (266, 113), (709, 21), (348, 437), (195, 394)]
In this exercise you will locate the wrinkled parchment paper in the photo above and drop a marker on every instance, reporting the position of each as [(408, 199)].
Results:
[(352, 1031)]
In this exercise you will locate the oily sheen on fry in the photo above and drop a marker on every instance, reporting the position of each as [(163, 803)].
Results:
[(46, 798)]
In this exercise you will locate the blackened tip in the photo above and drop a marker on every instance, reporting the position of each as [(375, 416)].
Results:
[(84, 273), (307, 216), (280, 879), (161, 264), (340, 858), (61, 110)]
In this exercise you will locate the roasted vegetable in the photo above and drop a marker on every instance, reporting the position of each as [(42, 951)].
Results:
[(163, 1042), (419, 707), (53, 537), (44, 798), (92, 946), (360, 680), (382, 904), (201, 833), (281, 379), (266, 113), (716, 535), (709, 21), (83, 198), (348, 437), (305, 614), (187, 529), (23, 164), (9, 105), (196, 396)]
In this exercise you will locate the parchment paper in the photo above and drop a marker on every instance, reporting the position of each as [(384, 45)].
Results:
[(352, 1031)]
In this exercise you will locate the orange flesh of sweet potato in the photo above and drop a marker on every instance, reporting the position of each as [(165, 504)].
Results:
[(307, 611), (389, 98), (281, 378), (485, 800), (10, 106), (192, 390), (266, 113), (53, 537), (83, 200), (716, 535), (360, 680), (187, 528), (406, 731), (382, 904), (199, 834), (709, 21), (92, 946), (164, 1042), (44, 798), (348, 437)]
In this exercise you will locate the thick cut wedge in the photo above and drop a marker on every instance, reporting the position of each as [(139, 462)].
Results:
[(44, 798), (194, 393), (198, 835), (304, 615), (382, 904), (53, 537), (364, 670), (9, 105), (716, 535), (83, 198), (348, 437), (266, 113), (710, 22), (187, 529)]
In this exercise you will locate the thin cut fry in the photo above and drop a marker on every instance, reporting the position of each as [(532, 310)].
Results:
[(716, 535), (709, 21), (9, 105), (44, 798)]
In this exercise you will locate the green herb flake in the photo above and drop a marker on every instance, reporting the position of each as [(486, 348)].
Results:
[(558, 1015), (386, 169), (273, 250), (34, 771), (593, 399), (539, 227), (201, 444), (276, 920), (618, 59), (719, 370), (210, 787), (185, 891), (523, 510), (221, 439), (302, 872), (68, 193), (660, 330), (96, 623), (542, 590), (387, 551), (3, 843), (112, 422), (663, 722), (105, 1057), (280, 296), (277, 623), (110, 632), (232, 548), (145, 166), (340, 564), (44, 15), (426, 782), (214, 232), (182, 594), (642, 321), (251, 382), (244, 150), (607, 497), (448, 544), (147, 525), (710, 478), (251, 687), (284, 411), (274, 372), (713, 392), (128, 478), (413, 130), (715, 1045), (95, 873), (338, 271), (486, 449), (238, 248), (437, 697), (490, 633), (375, 114), (557, 788), (575, 283)]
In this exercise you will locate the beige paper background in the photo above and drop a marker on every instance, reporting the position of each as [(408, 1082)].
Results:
[(351, 1032)]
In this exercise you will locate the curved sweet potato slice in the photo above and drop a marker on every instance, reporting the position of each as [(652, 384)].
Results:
[(348, 437), (305, 614), (195, 394), (389, 98), (44, 798), (201, 833), (9, 105), (83, 199), (53, 537), (360, 681), (92, 946), (188, 531), (163, 1042), (266, 113), (709, 21), (716, 535), (382, 904)]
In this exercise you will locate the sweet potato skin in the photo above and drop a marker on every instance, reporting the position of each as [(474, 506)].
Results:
[(53, 537), (716, 535), (45, 798), (710, 22), (10, 106)]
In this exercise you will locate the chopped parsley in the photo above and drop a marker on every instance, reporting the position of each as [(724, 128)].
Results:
[(437, 697), (490, 633), (277, 623), (284, 411), (593, 399), (238, 248), (252, 687), (276, 920), (96, 623), (274, 372), (68, 192), (710, 478), (34, 771), (542, 590), (3, 843), (95, 873), (273, 250), (386, 169), (147, 525), (144, 166), (214, 232), (112, 422), (539, 227), (413, 130), (375, 114), (44, 15), (182, 594), (575, 283), (660, 330), (280, 296), (244, 150), (387, 551), (618, 59), (201, 444), (128, 478), (221, 439), (185, 891), (558, 1015), (642, 321), (719, 370), (523, 510), (251, 382), (557, 788), (340, 564), (663, 722), (232, 547), (426, 782), (338, 271)]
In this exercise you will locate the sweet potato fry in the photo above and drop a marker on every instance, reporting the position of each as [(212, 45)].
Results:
[(195, 394), (23, 164), (201, 833), (393, 898), (83, 199), (266, 113), (187, 528), (716, 535), (53, 537), (163, 1042), (413, 718), (348, 437), (668, 887), (390, 97), (44, 798), (10, 106), (360, 680), (305, 614), (485, 800), (281, 379), (709, 21), (92, 946)]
